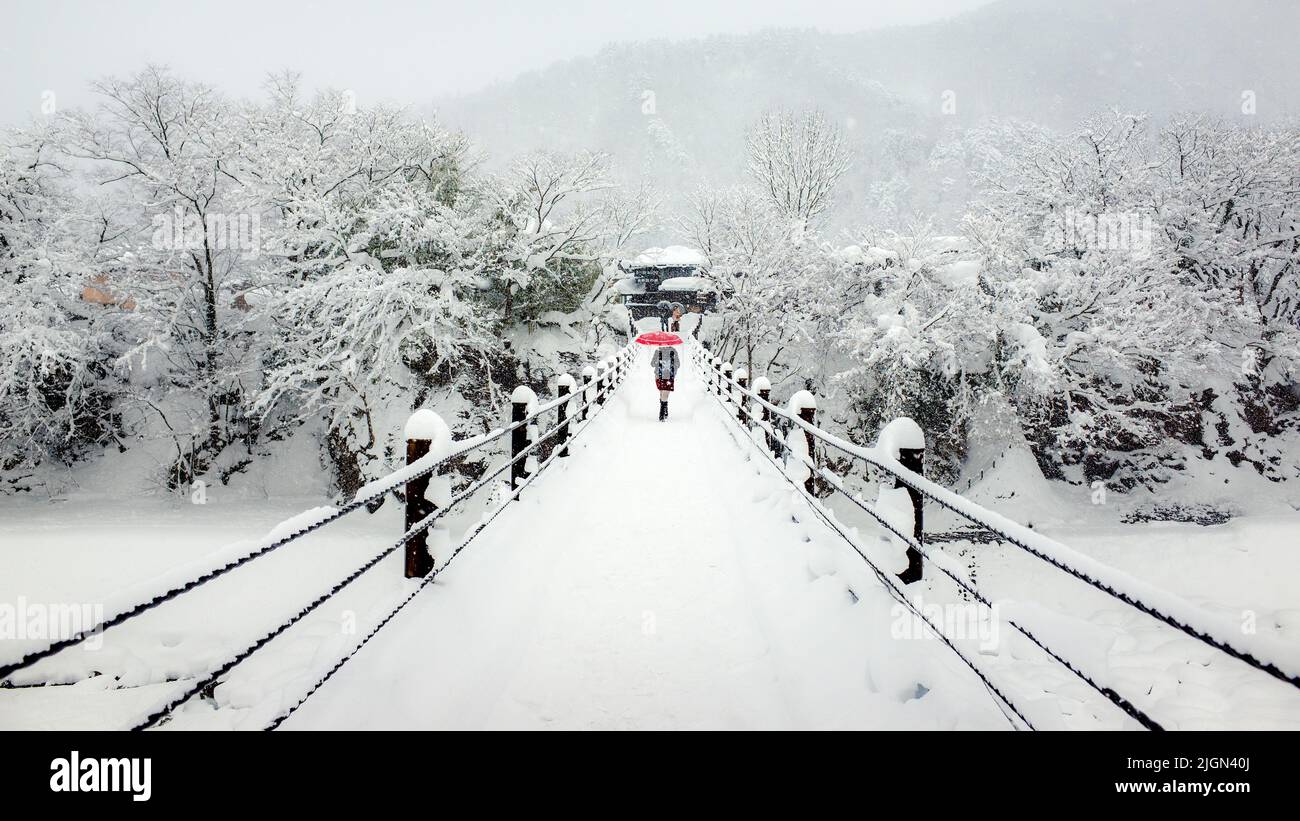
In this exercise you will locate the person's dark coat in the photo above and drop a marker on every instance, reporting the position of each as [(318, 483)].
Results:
[(665, 363)]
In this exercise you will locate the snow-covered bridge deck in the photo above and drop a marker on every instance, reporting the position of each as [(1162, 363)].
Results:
[(664, 575), (652, 581)]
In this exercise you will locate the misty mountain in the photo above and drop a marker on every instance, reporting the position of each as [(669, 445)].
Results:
[(677, 111)]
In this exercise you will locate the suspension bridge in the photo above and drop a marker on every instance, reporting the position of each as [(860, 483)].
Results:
[(622, 572)]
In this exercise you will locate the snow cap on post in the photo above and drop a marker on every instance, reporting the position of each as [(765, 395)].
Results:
[(762, 383), (802, 400), (741, 373), (589, 371), (524, 395), (564, 380), (426, 425), (901, 433)]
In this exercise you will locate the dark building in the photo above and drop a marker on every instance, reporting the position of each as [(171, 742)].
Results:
[(665, 275)]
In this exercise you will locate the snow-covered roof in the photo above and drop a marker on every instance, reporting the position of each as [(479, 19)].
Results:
[(670, 256), (684, 284)]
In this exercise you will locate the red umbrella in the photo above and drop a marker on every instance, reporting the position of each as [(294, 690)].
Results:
[(659, 338)]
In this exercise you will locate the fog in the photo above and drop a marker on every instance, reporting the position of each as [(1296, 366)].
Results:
[(408, 51)]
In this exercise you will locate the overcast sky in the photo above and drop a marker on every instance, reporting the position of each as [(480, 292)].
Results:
[(381, 49)]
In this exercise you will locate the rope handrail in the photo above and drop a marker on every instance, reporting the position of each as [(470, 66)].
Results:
[(1190, 620), (836, 483), (890, 587), (428, 579), (426, 522), (158, 714), (370, 493), (1111, 695)]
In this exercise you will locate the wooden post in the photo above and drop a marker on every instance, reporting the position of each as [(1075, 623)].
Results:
[(588, 374), (724, 389), (763, 387), (742, 378), (420, 431), (914, 460), (601, 380), (519, 402), (563, 387), (808, 413)]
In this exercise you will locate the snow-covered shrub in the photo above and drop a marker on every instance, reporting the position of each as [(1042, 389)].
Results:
[(56, 350), (346, 345)]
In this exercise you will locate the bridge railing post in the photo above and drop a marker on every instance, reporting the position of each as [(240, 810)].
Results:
[(422, 429), (742, 401), (563, 387), (588, 394), (602, 379), (805, 404), (763, 387), (904, 440), (914, 460), (520, 402), (724, 388)]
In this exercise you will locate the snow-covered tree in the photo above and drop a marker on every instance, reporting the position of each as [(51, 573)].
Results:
[(56, 351), (761, 263), (797, 160), (170, 153), (557, 218), (349, 343)]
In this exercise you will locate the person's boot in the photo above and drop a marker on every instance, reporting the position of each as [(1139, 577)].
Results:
[(663, 410)]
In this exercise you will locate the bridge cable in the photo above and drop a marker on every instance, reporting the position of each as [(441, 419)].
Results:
[(156, 716), (920, 485), (889, 585), (424, 582)]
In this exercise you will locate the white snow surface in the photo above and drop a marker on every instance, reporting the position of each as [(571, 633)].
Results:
[(524, 395), (670, 255), (427, 424), (743, 619), (630, 589), (684, 284), (898, 434), (802, 400)]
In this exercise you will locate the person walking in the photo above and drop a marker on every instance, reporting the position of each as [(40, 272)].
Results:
[(664, 362), (677, 317), (665, 309)]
